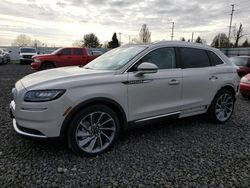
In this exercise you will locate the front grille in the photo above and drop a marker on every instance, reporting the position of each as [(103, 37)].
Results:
[(27, 56)]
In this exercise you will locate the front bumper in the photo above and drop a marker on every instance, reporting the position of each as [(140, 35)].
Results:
[(26, 132), (245, 88), (36, 122), (36, 65)]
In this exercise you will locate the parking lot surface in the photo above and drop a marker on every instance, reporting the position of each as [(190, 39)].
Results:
[(188, 152)]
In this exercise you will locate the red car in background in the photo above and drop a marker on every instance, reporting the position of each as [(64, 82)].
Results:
[(62, 57), (243, 62), (245, 86)]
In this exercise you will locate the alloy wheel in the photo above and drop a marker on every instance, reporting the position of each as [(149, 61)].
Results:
[(95, 132), (224, 107)]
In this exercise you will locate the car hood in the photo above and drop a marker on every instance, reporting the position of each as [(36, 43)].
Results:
[(65, 77), (43, 55)]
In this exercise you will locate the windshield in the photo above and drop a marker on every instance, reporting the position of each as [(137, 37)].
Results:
[(239, 61), (28, 50), (115, 59), (55, 52)]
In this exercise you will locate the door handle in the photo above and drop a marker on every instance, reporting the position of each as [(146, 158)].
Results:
[(213, 78), (174, 82)]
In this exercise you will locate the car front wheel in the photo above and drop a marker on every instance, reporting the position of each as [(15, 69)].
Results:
[(222, 106), (93, 130)]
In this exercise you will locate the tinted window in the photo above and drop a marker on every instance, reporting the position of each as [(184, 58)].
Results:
[(239, 61), (215, 59), (194, 58), (77, 51), (66, 51), (163, 58)]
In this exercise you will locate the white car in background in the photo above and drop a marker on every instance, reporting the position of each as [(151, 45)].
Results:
[(26, 54), (126, 86)]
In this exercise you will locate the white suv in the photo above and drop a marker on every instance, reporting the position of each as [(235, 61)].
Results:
[(26, 54), (126, 86)]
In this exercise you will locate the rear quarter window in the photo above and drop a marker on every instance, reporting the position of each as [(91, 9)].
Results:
[(215, 60), (194, 58)]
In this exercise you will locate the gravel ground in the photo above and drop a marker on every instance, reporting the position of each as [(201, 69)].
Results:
[(179, 153)]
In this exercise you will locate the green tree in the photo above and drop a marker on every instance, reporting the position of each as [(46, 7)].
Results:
[(145, 35), (245, 43), (221, 41), (238, 34), (198, 40), (114, 43), (91, 41), (22, 40)]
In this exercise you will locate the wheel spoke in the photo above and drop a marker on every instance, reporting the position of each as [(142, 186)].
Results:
[(100, 141), (82, 134), (92, 144), (100, 117), (91, 119), (105, 122), (107, 128), (105, 136), (84, 126), (85, 141), (228, 108)]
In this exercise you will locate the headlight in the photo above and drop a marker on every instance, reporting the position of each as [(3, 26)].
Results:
[(43, 95), (245, 80), (37, 60)]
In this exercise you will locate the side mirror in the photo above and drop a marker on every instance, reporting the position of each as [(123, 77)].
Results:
[(92, 53), (146, 68), (10, 51), (38, 52)]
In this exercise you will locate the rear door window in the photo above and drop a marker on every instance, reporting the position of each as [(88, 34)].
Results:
[(77, 51), (194, 58)]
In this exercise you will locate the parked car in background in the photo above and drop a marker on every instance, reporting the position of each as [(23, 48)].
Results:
[(243, 62), (4, 56), (245, 86), (97, 53), (26, 54), (124, 87), (62, 57), (7, 54)]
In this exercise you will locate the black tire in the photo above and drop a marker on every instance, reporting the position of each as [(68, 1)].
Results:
[(48, 65), (81, 126), (213, 109), (21, 62)]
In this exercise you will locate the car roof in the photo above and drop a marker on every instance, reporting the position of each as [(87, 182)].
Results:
[(243, 56), (176, 44)]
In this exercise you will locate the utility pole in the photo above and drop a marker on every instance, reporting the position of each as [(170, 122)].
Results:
[(230, 26), (192, 37), (120, 38), (172, 35)]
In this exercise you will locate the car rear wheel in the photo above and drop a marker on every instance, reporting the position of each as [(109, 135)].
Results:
[(222, 106), (93, 130), (47, 66)]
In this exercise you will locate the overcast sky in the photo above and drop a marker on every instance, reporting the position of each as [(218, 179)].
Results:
[(62, 22)]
